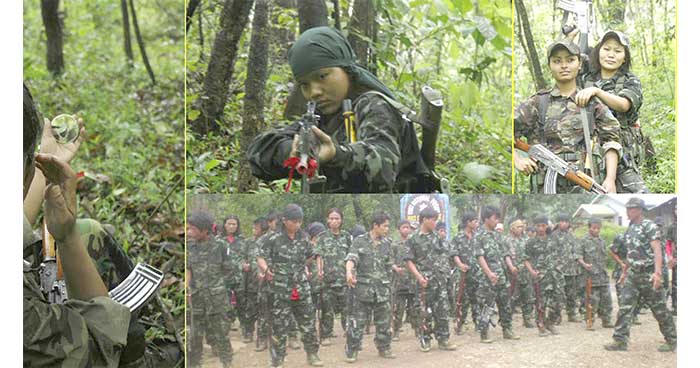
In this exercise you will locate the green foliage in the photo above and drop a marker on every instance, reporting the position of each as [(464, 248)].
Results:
[(459, 47), (133, 155), (650, 27)]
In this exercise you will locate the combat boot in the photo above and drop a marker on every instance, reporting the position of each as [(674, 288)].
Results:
[(446, 345), (635, 321), (485, 337), (277, 364), (459, 330), (387, 354), (509, 335), (527, 323), (573, 318), (326, 341), (607, 324), (261, 346), (314, 360), (424, 345), (667, 347), (351, 357), (616, 345), (552, 330), (294, 343), (543, 331), (395, 336)]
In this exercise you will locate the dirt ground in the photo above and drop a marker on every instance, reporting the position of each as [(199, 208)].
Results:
[(574, 347)]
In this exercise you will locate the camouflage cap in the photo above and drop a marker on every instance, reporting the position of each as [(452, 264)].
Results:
[(541, 220), (624, 41), (315, 228), (635, 202), (566, 44), (293, 212), (563, 217), (440, 225)]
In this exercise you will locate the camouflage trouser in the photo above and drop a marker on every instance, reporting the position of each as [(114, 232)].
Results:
[(628, 178), (489, 294), (284, 311), (382, 320), (601, 303), (333, 304), (452, 290), (525, 295), (674, 288), (249, 312), (629, 181), (617, 272), (572, 289), (551, 296), (108, 255), (405, 305), (639, 284), (236, 300), (211, 320), (466, 299), (263, 325), (434, 296)]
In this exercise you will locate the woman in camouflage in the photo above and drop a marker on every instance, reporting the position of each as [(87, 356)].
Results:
[(382, 156), (609, 79)]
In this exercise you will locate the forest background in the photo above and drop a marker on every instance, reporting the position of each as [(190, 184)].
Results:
[(239, 83), (651, 28), (119, 66)]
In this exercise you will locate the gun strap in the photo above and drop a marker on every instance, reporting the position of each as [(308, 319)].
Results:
[(586, 122), (409, 114), (543, 105)]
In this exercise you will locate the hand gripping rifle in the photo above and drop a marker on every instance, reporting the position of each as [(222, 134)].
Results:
[(350, 321), (425, 319), (538, 303), (305, 164), (582, 10), (557, 166)]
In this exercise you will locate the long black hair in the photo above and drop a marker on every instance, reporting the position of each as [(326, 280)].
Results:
[(595, 55), (238, 222)]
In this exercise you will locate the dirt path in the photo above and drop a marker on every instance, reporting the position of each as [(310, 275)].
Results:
[(574, 347)]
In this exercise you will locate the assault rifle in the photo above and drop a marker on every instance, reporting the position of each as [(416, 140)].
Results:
[(557, 166), (538, 303), (582, 11), (350, 321), (426, 320), (589, 308), (460, 299)]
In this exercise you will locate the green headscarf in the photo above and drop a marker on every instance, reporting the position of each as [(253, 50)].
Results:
[(326, 47)]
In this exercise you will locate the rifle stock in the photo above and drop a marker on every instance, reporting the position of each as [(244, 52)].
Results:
[(460, 300), (538, 303), (589, 308)]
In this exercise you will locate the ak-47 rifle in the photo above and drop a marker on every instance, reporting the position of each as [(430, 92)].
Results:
[(589, 308), (350, 321), (394, 306), (557, 166), (305, 164), (623, 277), (51, 274), (349, 121), (426, 319), (460, 299), (582, 10), (538, 303), (513, 284)]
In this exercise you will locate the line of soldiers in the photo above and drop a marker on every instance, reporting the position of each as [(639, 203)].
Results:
[(299, 281)]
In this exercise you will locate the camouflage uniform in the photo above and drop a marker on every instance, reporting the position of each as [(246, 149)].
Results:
[(333, 248), (594, 252), (568, 246), (618, 247), (235, 249), (626, 85), (286, 259), (373, 264), (563, 132), (385, 157), (78, 333), (463, 247), (640, 258), (523, 284), (492, 246), (405, 291), (544, 257), (248, 305), (212, 271), (429, 254), (672, 234)]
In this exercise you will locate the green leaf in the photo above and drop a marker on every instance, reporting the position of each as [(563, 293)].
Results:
[(212, 164)]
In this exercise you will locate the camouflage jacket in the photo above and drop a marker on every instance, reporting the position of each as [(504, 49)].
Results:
[(672, 235), (235, 251), (517, 251), (384, 158), (638, 238), (491, 245), (542, 254), (334, 248), (625, 85), (75, 334), (372, 268), (212, 270), (249, 281), (430, 255), (563, 129), (618, 247), (314, 282), (594, 252), (568, 247), (405, 283), (287, 258), (463, 247)]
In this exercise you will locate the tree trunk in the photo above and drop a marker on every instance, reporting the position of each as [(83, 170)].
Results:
[(336, 14), (254, 102), (142, 45), (233, 20), (54, 36), (192, 6), (312, 13), (531, 51), (361, 29), (127, 33), (616, 13)]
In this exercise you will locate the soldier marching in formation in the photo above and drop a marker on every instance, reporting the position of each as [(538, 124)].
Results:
[(290, 275)]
